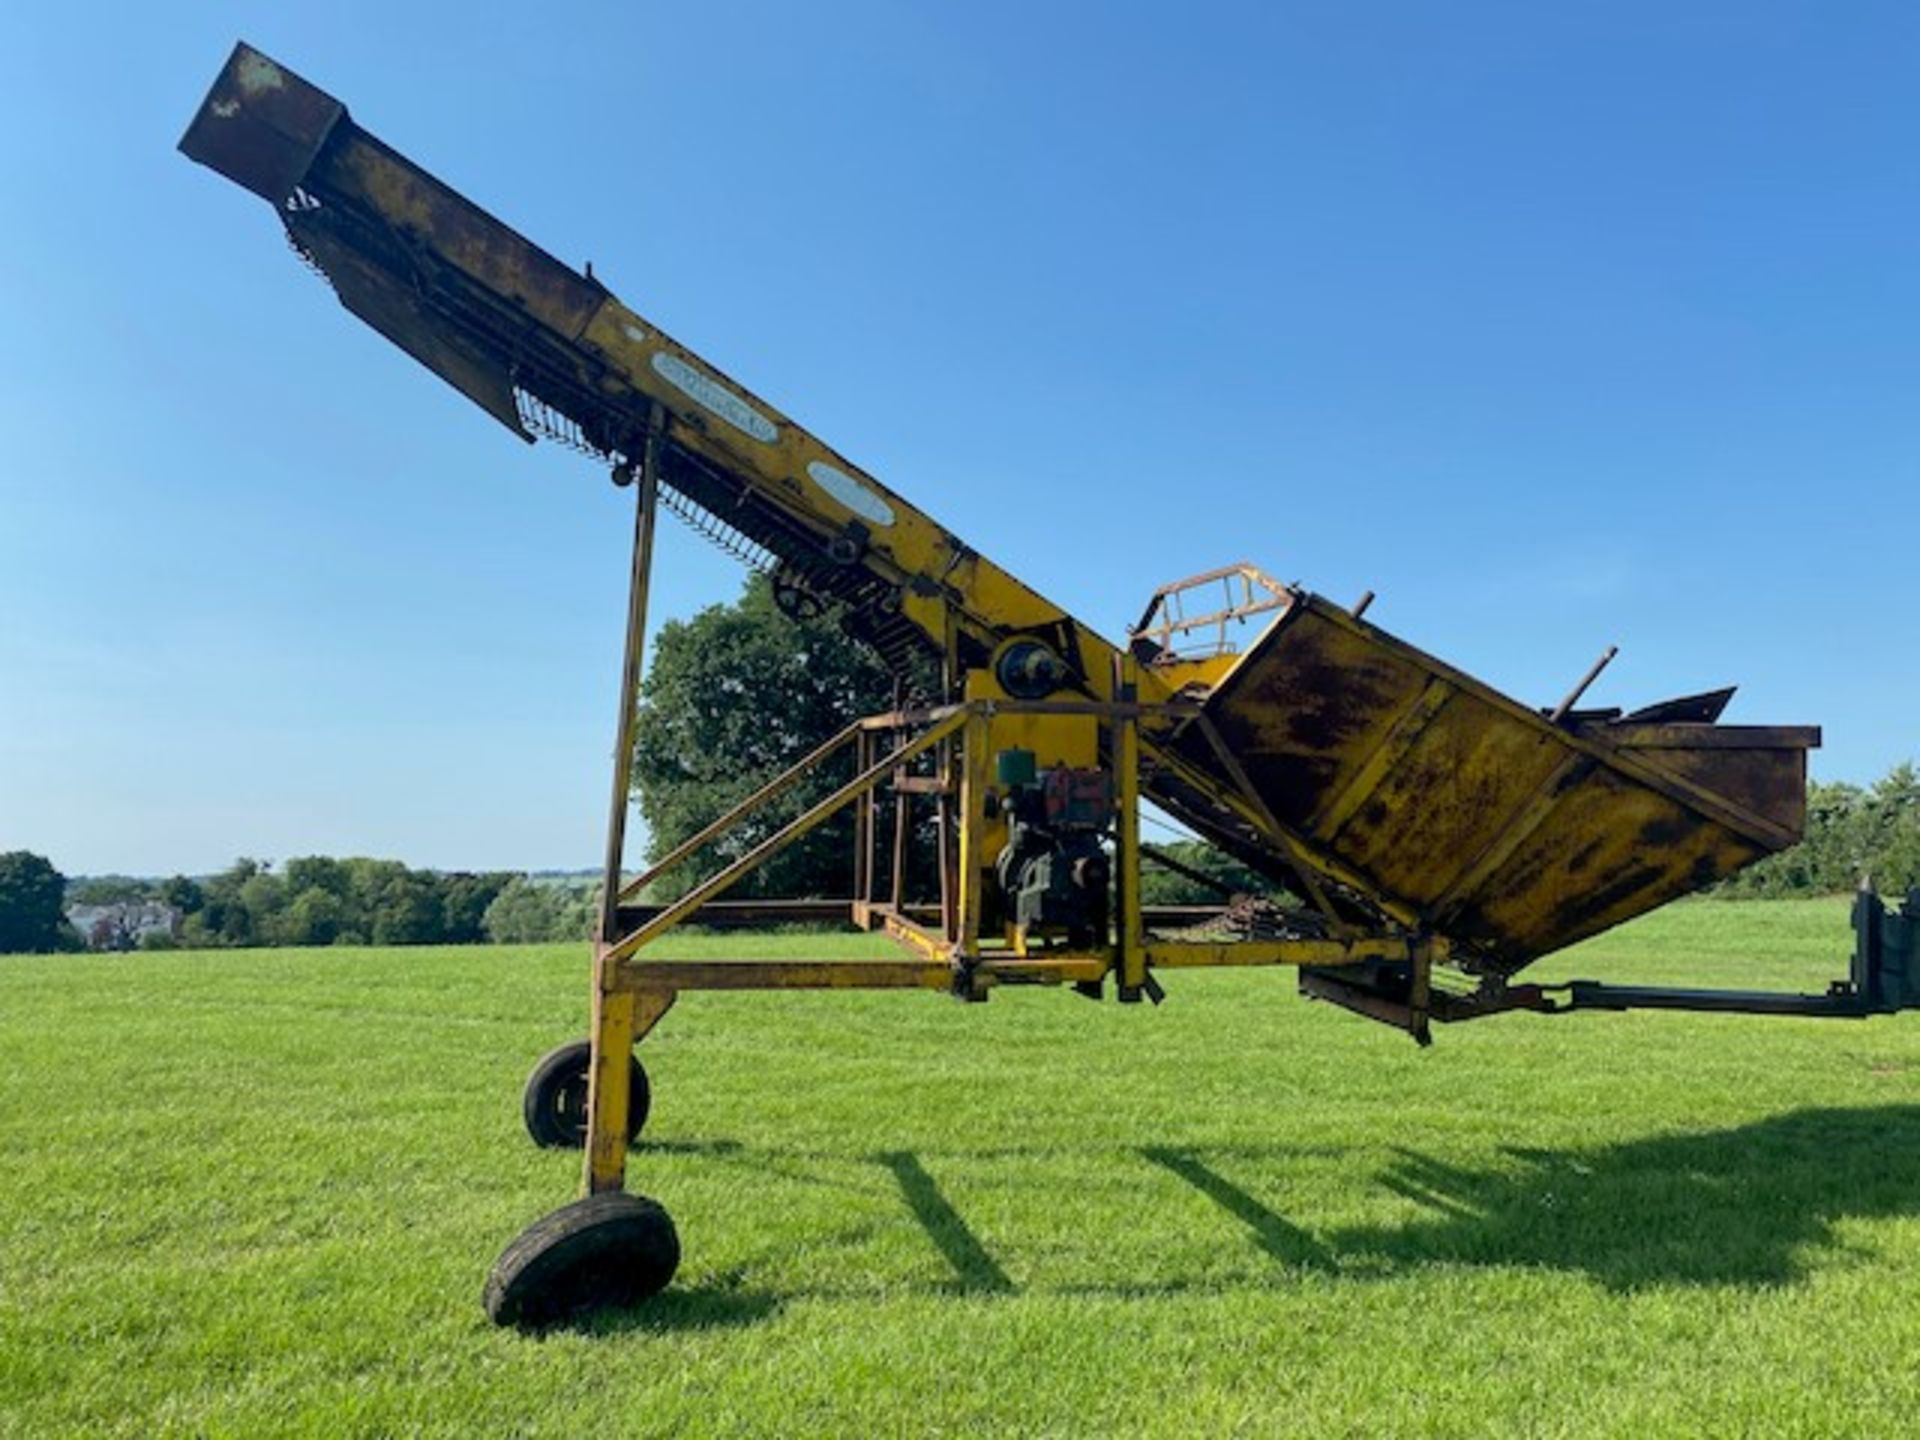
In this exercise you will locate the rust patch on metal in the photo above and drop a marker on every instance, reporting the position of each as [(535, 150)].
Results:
[(1455, 818)]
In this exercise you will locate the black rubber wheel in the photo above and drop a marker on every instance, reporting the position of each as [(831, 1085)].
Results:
[(554, 1103), (605, 1251)]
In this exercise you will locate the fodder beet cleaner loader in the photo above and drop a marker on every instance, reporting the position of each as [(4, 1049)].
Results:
[(1428, 837)]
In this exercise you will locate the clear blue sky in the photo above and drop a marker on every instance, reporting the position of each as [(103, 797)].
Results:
[(1557, 325)]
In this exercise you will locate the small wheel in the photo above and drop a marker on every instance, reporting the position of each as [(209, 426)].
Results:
[(555, 1100), (607, 1250)]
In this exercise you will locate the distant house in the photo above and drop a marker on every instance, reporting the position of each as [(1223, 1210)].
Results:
[(123, 925)]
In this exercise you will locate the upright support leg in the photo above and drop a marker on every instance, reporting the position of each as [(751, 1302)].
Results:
[(902, 815), (1130, 959), (973, 856), (948, 819), (902, 828), (944, 839), (620, 1019), (609, 1087), (863, 830), (1420, 991), (609, 1091), (645, 509)]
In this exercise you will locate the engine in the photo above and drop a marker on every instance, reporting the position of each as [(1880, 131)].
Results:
[(1054, 874)]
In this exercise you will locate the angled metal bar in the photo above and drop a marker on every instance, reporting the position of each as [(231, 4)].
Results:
[(779, 785), (779, 840), (906, 931), (900, 719), (1209, 786), (1289, 845), (1185, 871), (1565, 707)]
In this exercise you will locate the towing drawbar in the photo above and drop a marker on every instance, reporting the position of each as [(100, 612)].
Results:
[(1884, 977)]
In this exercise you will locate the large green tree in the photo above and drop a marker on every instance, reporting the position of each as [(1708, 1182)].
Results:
[(527, 912), (224, 917), (464, 901), (733, 697), (32, 904)]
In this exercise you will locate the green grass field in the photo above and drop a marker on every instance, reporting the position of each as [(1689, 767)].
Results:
[(256, 1193)]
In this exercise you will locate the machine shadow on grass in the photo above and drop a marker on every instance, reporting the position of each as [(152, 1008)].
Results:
[(1736, 1207), (975, 1271), (1728, 1207), (1280, 1238), (1740, 1207)]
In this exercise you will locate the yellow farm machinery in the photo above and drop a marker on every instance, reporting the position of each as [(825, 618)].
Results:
[(1425, 837)]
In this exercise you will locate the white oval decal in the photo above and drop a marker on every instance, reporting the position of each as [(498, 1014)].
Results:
[(711, 395), (257, 74), (850, 492)]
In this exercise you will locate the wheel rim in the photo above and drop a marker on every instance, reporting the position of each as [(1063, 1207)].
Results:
[(556, 1103), (570, 1104)]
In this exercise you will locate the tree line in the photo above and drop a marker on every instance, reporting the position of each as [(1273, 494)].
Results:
[(320, 900), (311, 900)]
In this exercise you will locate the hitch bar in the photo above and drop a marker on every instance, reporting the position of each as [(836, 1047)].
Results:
[(1883, 978)]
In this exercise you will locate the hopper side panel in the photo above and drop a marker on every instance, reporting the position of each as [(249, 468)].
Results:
[(1305, 710), (1771, 782), (1471, 774), (1608, 850), (1509, 834)]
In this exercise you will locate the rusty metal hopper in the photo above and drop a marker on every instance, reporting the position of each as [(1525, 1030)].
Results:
[(1453, 806)]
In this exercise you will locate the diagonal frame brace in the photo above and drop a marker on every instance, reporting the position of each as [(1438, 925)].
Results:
[(716, 885)]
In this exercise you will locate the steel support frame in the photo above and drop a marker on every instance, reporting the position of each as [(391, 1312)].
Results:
[(632, 990)]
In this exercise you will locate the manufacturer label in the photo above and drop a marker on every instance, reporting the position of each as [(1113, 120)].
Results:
[(714, 397), (855, 495)]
